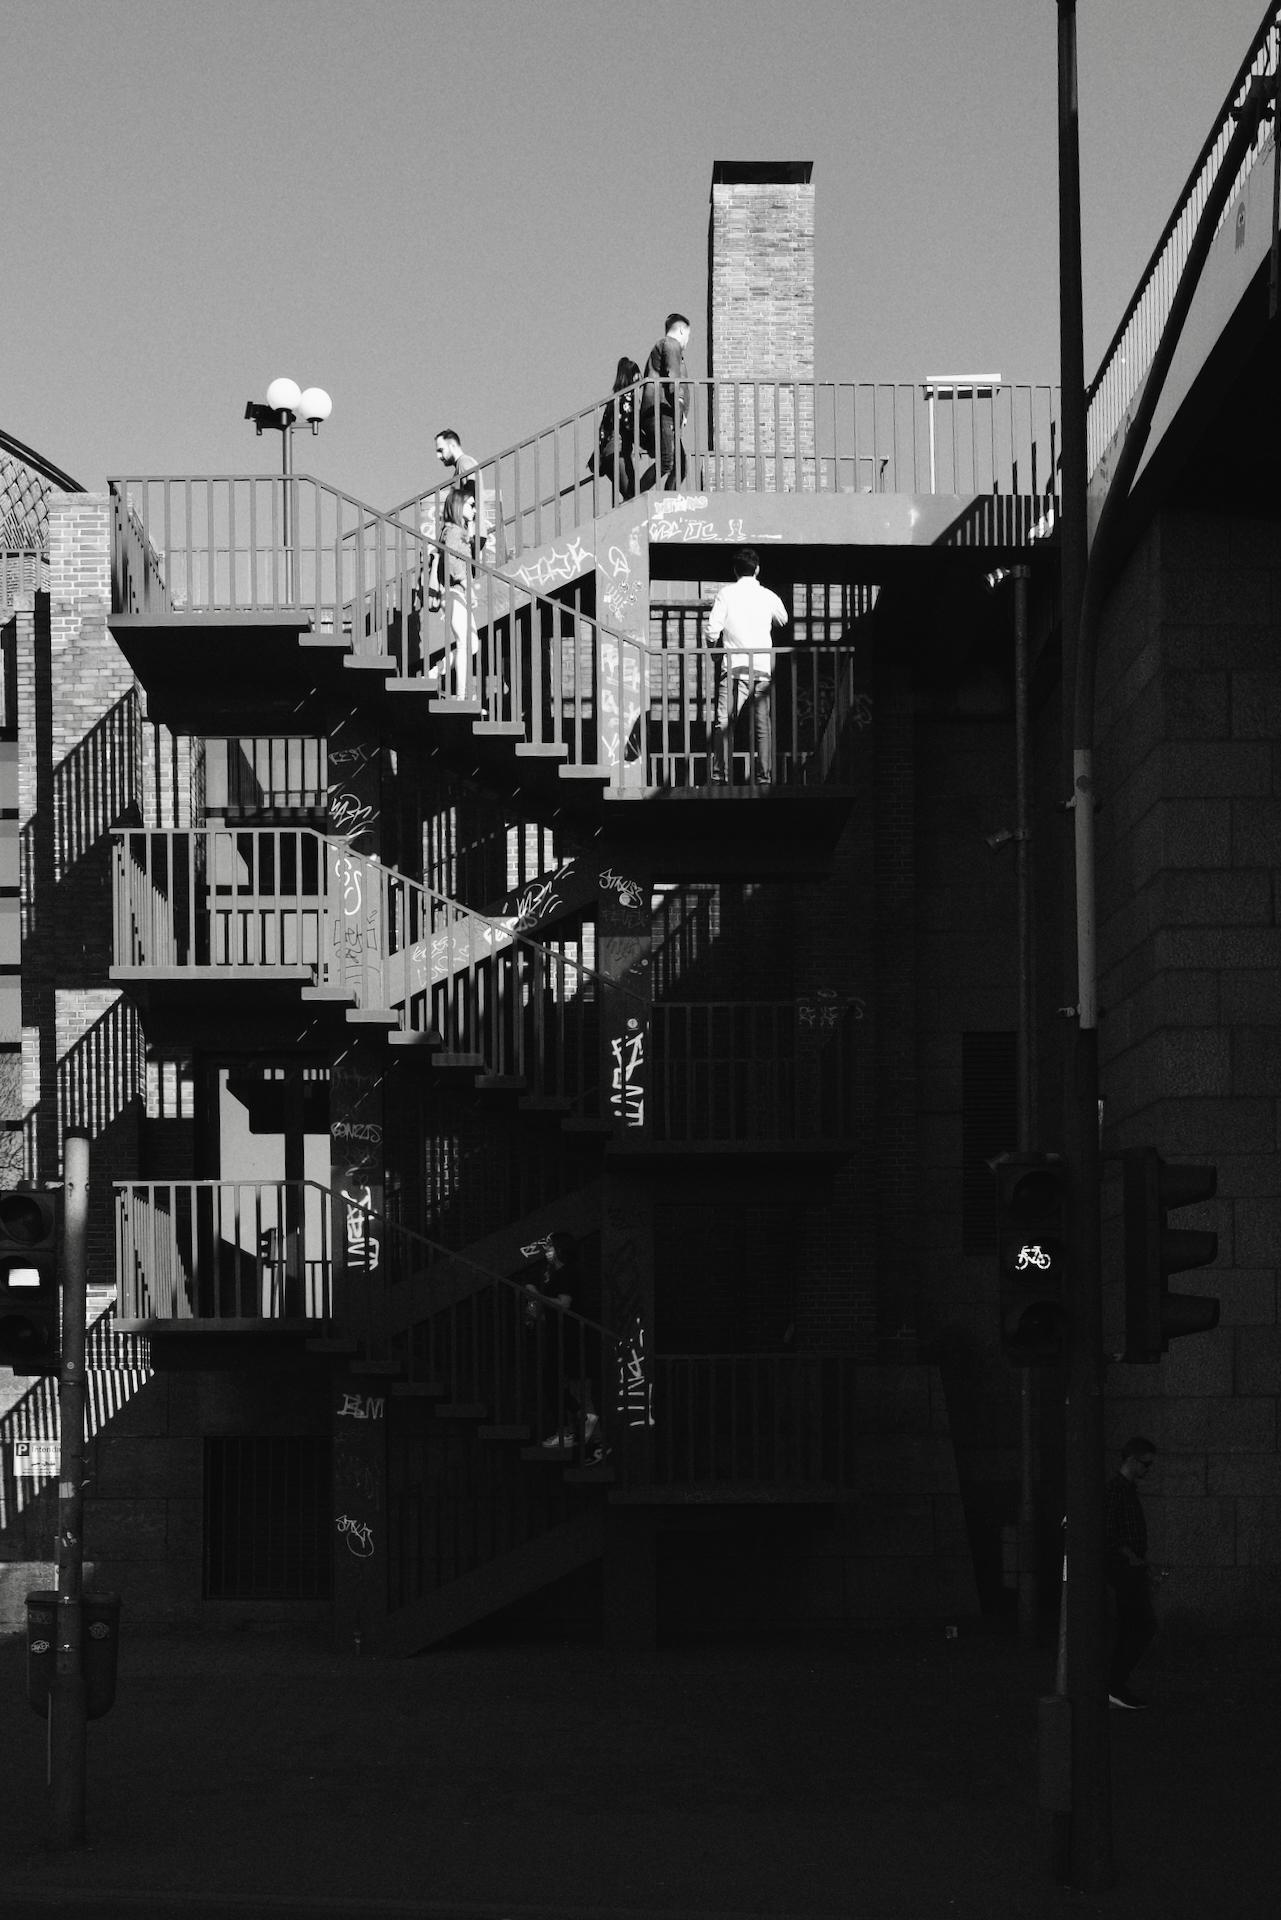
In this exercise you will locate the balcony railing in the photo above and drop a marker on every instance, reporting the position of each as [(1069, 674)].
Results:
[(1129, 355), (245, 902), (780, 1423), (233, 1253), (782, 436), (739, 1071)]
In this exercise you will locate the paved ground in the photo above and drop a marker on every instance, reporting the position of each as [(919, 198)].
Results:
[(888, 1776)]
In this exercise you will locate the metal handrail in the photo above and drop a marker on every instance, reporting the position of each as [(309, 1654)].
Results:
[(779, 1419), (240, 901), (1129, 353), (769, 434)]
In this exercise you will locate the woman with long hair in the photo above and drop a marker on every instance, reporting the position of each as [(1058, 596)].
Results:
[(617, 437)]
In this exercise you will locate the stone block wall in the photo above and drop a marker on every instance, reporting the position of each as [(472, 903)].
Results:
[(1190, 965)]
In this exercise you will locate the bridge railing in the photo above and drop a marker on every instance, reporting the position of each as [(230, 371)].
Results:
[(766, 435), (1125, 364)]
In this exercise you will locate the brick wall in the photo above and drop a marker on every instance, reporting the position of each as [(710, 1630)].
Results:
[(1190, 947), (760, 301), (79, 770)]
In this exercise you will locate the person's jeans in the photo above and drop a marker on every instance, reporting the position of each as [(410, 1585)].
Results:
[(671, 452), (738, 692), (1135, 1624)]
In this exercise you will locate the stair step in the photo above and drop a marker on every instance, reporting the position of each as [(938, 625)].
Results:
[(538, 750), (337, 996), (334, 640), (463, 1409), (587, 772), (501, 1082), (373, 1016), (401, 683), (412, 1037), (472, 1062), (370, 663), (382, 1369), (417, 1389), (469, 709), (502, 1433), (499, 730)]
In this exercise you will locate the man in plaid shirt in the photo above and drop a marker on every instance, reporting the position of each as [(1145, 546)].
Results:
[(1126, 1533)]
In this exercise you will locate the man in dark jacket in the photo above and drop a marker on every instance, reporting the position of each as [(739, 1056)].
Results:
[(665, 401), (1128, 1569)]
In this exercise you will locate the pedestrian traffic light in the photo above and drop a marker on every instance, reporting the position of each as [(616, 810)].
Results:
[(29, 1291), (1033, 1235), (1154, 1316)]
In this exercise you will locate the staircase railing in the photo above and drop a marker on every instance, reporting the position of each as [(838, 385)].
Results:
[(234, 1253), (267, 545), (240, 901), (767, 435), (672, 715), (1129, 355), (781, 1421)]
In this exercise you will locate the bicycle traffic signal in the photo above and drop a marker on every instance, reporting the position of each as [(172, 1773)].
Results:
[(1033, 1233), (29, 1291), (1151, 1188)]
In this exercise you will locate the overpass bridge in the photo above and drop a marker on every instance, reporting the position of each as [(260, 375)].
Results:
[(1205, 441)]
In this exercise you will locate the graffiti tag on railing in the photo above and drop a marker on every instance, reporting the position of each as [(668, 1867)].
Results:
[(635, 1392), (368, 1132), (348, 814), (627, 1088), (364, 1249), (628, 891), (359, 1535), (678, 503), (537, 901), (551, 569), (361, 1406)]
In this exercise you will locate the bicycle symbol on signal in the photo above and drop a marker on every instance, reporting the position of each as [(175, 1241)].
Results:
[(1032, 1257)]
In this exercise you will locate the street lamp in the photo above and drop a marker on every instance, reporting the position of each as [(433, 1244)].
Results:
[(285, 406)]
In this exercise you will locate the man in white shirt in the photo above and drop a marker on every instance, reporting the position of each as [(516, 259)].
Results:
[(743, 615)]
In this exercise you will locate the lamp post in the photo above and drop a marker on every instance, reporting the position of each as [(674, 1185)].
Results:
[(285, 406)]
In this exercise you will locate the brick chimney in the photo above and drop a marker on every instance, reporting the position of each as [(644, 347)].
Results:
[(760, 315)]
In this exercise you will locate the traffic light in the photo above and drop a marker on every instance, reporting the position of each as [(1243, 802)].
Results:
[(29, 1291), (1154, 1250), (1033, 1232)]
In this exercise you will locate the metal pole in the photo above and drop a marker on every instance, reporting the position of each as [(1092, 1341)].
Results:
[(1026, 1092), (67, 1697), (287, 517), (1089, 1835)]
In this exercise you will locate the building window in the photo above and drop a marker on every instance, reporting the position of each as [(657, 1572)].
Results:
[(988, 1127), (268, 1523)]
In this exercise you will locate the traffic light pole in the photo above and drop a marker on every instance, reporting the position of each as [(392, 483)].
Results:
[(67, 1694), (1088, 1836), (1029, 1463)]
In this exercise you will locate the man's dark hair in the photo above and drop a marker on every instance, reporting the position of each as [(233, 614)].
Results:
[(1135, 1448), (449, 433), (675, 320), (562, 1243), (746, 561)]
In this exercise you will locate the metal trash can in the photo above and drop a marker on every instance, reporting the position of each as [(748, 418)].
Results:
[(100, 1616)]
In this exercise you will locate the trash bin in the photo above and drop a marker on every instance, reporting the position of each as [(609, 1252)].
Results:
[(100, 1618)]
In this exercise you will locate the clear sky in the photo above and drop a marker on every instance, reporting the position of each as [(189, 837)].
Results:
[(464, 211)]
